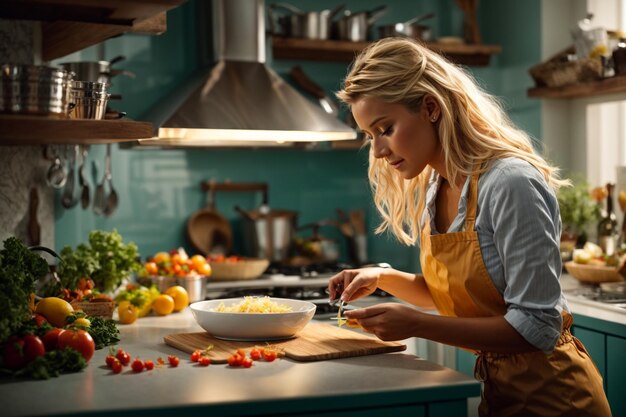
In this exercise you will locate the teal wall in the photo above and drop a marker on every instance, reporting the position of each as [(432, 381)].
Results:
[(159, 190)]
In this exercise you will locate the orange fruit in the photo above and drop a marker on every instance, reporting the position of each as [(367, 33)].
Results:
[(127, 313), (180, 296), (151, 268), (163, 305), (198, 260), (204, 269), (161, 257), (55, 310)]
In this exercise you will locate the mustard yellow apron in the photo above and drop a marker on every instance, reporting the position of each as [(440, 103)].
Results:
[(563, 383)]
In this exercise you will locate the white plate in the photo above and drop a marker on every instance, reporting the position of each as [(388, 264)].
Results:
[(253, 326)]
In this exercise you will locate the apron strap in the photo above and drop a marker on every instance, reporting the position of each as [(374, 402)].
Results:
[(472, 203)]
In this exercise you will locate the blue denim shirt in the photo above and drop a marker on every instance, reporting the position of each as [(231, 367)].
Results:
[(519, 228)]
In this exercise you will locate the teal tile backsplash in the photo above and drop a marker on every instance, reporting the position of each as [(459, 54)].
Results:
[(159, 189)]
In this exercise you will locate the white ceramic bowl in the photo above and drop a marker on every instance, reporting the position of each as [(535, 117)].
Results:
[(252, 326)]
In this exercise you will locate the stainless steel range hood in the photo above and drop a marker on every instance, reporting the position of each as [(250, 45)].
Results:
[(240, 101)]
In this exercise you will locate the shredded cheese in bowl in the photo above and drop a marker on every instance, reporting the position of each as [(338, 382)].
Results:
[(251, 304)]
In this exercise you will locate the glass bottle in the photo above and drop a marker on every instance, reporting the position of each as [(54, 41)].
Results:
[(608, 232)]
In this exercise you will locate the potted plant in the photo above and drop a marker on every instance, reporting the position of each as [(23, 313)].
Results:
[(578, 209)]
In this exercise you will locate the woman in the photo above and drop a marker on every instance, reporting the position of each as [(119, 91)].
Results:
[(449, 171)]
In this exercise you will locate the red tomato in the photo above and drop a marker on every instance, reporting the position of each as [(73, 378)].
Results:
[(79, 340), (269, 355), (246, 362), (235, 360), (255, 354), (20, 351), (40, 320), (116, 367), (137, 365), (110, 360), (204, 361), (195, 356), (173, 360), (148, 364), (123, 357), (51, 339)]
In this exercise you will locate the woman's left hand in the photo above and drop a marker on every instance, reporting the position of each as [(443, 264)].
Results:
[(388, 321)]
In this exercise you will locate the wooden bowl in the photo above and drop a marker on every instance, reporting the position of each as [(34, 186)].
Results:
[(593, 274), (242, 269)]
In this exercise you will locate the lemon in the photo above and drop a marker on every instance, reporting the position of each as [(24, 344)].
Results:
[(127, 313), (180, 296), (163, 305), (55, 310)]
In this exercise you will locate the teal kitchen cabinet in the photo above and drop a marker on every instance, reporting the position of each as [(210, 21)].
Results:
[(606, 343)]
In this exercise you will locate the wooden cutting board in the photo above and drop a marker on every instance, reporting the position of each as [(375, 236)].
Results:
[(315, 342)]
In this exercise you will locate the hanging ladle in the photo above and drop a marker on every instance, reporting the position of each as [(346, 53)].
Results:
[(68, 200), (82, 181), (99, 198), (56, 176), (112, 200)]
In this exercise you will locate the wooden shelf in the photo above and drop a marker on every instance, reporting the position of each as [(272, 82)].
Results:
[(613, 85), (40, 130), (71, 25), (345, 51)]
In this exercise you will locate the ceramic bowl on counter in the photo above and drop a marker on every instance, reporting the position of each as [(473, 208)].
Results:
[(249, 326)]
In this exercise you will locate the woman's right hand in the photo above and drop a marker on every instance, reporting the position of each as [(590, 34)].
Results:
[(352, 284)]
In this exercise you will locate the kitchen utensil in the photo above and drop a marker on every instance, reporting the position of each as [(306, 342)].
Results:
[(303, 80), (315, 342), (99, 196), (56, 176), (411, 28), (355, 26), (269, 233), (34, 228), (96, 71), (208, 231), (301, 24), (317, 247), (112, 200), (68, 199), (243, 326), (82, 180), (33, 89)]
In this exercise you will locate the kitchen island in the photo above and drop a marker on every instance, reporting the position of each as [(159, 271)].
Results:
[(397, 384)]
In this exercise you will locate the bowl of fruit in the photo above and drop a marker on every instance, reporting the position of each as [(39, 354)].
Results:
[(591, 265), (168, 269)]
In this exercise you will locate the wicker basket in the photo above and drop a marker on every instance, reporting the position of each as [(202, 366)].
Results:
[(240, 270), (95, 309), (559, 71), (593, 274)]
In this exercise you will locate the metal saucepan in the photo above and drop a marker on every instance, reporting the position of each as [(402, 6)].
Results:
[(355, 27), (301, 24), (33, 89), (411, 28), (96, 71)]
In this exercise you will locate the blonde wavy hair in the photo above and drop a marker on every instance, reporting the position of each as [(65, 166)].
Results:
[(473, 129)]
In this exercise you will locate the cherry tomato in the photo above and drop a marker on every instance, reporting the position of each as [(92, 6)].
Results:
[(79, 340), (137, 365), (148, 364), (204, 361), (20, 351), (109, 360), (123, 357), (195, 356), (173, 360), (255, 354), (234, 360), (116, 367), (40, 320), (269, 355), (51, 339), (246, 362)]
